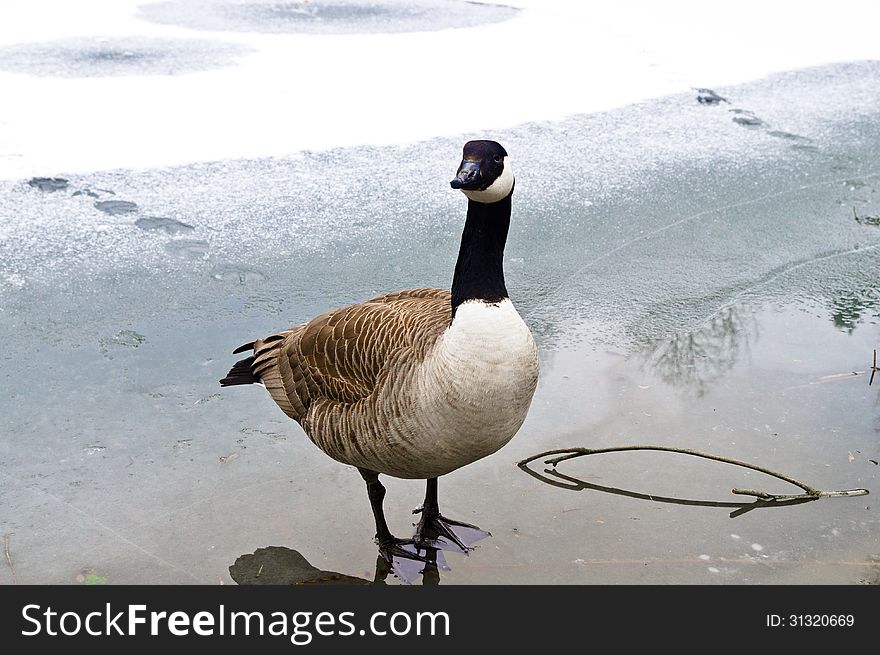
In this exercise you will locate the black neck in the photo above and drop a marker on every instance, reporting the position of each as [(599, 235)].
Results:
[(479, 271)]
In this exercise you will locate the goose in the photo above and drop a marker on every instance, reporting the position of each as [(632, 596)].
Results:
[(415, 384)]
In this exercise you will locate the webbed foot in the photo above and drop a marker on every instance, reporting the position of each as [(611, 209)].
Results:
[(436, 531), (408, 560)]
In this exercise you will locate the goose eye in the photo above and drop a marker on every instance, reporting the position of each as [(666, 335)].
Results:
[(497, 159)]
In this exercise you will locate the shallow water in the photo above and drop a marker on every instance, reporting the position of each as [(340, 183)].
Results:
[(692, 281)]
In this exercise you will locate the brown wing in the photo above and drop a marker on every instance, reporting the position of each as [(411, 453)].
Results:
[(341, 355)]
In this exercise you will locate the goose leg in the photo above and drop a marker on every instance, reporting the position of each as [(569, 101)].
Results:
[(433, 563), (431, 572), (376, 494), (399, 553), (437, 531)]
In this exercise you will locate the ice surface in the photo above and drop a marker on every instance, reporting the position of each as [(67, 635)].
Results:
[(692, 280), (547, 60), (331, 17), (593, 198), (106, 57)]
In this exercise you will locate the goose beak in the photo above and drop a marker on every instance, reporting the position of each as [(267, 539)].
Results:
[(468, 176)]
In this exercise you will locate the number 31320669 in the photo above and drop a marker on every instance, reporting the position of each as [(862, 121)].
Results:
[(811, 620)]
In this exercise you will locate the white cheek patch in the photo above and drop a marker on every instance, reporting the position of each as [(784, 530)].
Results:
[(498, 190)]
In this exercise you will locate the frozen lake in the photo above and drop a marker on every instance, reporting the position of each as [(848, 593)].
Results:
[(700, 275)]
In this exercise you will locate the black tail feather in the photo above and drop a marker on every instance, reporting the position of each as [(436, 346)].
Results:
[(240, 374)]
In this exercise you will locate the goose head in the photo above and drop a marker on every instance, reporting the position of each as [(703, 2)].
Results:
[(484, 174)]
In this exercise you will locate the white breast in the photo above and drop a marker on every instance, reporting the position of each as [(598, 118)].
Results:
[(475, 388)]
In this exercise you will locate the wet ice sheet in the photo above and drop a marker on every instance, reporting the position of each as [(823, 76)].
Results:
[(787, 400), (692, 281)]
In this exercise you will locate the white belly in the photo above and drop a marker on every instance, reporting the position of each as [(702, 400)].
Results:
[(474, 390)]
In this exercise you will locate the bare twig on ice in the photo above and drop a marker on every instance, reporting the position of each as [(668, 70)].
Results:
[(8, 556), (563, 454)]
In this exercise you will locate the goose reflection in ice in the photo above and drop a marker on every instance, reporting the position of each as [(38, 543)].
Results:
[(278, 565)]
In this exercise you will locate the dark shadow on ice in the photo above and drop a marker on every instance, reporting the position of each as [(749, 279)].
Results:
[(116, 207), (709, 97), (747, 118), (278, 565), (556, 479), (48, 184), (163, 224)]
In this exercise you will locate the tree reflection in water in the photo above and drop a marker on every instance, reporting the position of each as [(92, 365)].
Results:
[(849, 307), (695, 359)]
